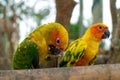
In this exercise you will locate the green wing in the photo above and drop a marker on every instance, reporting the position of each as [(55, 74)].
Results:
[(74, 52), (26, 56)]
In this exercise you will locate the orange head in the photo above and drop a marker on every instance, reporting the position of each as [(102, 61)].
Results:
[(57, 39), (98, 32)]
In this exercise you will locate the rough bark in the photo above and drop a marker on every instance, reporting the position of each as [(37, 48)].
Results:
[(98, 72), (64, 10)]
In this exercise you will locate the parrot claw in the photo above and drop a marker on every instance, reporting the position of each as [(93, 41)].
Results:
[(59, 55)]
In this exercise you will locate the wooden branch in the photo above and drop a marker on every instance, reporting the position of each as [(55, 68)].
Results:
[(97, 72)]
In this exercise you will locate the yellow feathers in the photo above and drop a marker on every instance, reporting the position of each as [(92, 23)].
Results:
[(83, 51), (41, 47)]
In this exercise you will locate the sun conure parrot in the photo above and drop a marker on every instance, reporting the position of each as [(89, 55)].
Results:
[(83, 51), (41, 47)]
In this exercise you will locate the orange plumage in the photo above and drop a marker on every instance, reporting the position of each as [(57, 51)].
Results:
[(83, 51), (40, 49)]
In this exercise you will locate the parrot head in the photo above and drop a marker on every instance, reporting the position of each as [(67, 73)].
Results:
[(99, 31), (58, 38)]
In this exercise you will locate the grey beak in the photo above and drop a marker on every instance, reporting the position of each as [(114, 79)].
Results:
[(54, 50), (106, 34)]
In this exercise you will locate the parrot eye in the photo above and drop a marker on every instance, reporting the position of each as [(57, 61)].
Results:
[(58, 40), (100, 27)]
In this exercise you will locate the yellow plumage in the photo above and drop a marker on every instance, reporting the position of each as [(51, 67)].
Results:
[(83, 51), (41, 47)]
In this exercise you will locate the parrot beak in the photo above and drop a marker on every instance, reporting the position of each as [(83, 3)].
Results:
[(54, 50), (106, 34)]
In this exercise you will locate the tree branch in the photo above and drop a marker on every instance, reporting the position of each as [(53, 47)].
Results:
[(97, 72)]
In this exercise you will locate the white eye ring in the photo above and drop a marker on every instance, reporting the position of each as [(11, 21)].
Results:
[(58, 41), (100, 27)]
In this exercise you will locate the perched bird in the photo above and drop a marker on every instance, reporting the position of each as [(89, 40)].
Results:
[(41, 47), (83, 51)]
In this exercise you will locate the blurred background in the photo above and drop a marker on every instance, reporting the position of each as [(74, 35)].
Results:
[(19, 17)]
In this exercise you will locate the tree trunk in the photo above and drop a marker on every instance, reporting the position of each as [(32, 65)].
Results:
[(80, 21), (114, 16), (4, 62), (64, 10), (8, 39), (97, 11), (114, 52)]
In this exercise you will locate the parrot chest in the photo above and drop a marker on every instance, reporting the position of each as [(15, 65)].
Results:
[(42, 50), (89, 57), (45, 59)]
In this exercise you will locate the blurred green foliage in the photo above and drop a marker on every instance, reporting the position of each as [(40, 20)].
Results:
[(73, 31)]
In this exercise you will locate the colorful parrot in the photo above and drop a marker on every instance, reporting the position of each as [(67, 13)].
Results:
[(41, 48), (83, 51)]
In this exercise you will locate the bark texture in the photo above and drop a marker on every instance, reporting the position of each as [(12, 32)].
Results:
[(64, 10), (97, 72)]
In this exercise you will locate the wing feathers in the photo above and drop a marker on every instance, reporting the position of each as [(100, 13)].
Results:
[(74, 52)]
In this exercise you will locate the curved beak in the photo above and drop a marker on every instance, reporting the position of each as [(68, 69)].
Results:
[(106, 34), (54, 50)]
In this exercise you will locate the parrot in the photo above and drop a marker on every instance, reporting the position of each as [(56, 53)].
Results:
[(41, 47), (83, 51)]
